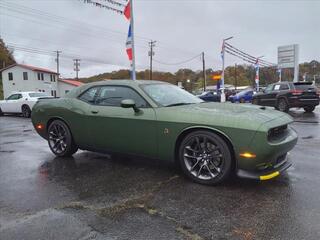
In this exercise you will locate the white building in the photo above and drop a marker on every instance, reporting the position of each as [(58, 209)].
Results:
[(23, 78), (66, 85)]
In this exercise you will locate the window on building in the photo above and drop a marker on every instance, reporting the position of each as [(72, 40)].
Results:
[(54, 78), (10, 76), (39, 76), (25, 75), (55, 93), (42, 76)]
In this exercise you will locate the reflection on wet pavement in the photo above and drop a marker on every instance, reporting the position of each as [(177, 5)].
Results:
[(96, 196)]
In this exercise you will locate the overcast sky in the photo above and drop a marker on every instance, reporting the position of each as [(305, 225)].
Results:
[(182, 29)]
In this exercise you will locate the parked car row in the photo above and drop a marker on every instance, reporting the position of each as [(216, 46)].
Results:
[(281, 95), (21, 103)]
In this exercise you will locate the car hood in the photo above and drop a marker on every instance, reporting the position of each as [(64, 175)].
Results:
[(223, 114)]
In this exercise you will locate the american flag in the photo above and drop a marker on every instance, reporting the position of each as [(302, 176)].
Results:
[(129, 44)]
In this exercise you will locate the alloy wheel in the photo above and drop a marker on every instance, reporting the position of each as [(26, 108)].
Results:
[(203, 157), (58, 138)]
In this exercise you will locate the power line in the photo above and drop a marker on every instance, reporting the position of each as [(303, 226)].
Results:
[(178, 63)]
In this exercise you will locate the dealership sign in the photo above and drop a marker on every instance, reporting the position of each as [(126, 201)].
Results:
[(288, 57)]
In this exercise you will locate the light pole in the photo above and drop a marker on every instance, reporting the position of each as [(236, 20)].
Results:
[(223, 96)]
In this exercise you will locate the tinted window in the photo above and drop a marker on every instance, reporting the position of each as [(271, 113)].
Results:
[(276, 87), (38, 94), (268, 88), (284, 87), (15, 97), (113, 95), (303, 86), (89, 95)]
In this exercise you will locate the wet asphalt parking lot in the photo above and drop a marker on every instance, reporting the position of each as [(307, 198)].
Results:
[(94, 196)]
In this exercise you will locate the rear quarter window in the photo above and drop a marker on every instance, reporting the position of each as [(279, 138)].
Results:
[(304, 86)]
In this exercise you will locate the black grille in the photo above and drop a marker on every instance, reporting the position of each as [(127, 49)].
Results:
[(277, 132)]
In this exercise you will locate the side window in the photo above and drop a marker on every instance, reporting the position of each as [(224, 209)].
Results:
[(284, 87), (14, 97), (113, 95), (89, 95), (10, 76), (268, 89), (276, 87)]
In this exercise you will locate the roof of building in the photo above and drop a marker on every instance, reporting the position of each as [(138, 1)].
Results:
[(72, 82), (33, 68)]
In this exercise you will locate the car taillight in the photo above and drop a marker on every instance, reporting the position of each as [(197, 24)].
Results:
[(296, 92)]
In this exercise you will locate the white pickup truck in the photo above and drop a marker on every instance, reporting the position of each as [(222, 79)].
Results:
[(21, 102)]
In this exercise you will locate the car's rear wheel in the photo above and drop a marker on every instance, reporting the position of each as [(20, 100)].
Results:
[(282, 105), (60, 139), (242, 100), (26, 111), (205, 157), (309, 109)]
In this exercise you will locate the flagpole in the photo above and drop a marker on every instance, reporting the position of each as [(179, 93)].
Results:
[(133, 67)]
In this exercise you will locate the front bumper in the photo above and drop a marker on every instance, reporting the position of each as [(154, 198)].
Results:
[(266, 174)]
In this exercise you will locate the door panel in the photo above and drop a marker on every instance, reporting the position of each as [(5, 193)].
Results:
[(122, 130)]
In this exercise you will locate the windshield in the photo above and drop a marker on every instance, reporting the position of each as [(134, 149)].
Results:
[(169, 95), (39, 94)]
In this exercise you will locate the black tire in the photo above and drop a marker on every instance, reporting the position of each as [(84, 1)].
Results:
[(26, 111), (255, 101), (208, 165), (309, 109), (282, 105), (242, 100), (1, 113), (60, 139)]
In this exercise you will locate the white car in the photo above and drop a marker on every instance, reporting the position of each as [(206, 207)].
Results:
[(21, 102)]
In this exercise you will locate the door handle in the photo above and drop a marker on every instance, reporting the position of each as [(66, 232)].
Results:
[(94, 111)]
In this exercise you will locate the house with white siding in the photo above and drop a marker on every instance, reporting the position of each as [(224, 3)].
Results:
[(25, 78)]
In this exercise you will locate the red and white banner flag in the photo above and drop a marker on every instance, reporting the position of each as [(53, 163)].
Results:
[(127, 11)]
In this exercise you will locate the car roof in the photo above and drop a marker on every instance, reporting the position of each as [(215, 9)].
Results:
[(126, 82)]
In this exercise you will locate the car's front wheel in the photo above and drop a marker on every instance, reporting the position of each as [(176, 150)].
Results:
[(60, 139), (205, 157), (309, 109)]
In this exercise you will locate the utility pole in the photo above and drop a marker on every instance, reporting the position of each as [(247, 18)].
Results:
[(235, 76), (151, 54), (204, 72), (76, 67), (223, 96), (57, 61)]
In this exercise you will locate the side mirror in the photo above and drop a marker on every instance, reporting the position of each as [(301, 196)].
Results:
[(129, 103)]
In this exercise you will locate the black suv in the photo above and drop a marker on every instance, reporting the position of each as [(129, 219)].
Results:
[(285, 95)]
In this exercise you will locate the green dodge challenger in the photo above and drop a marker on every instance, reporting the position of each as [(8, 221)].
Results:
[(157, 120)]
